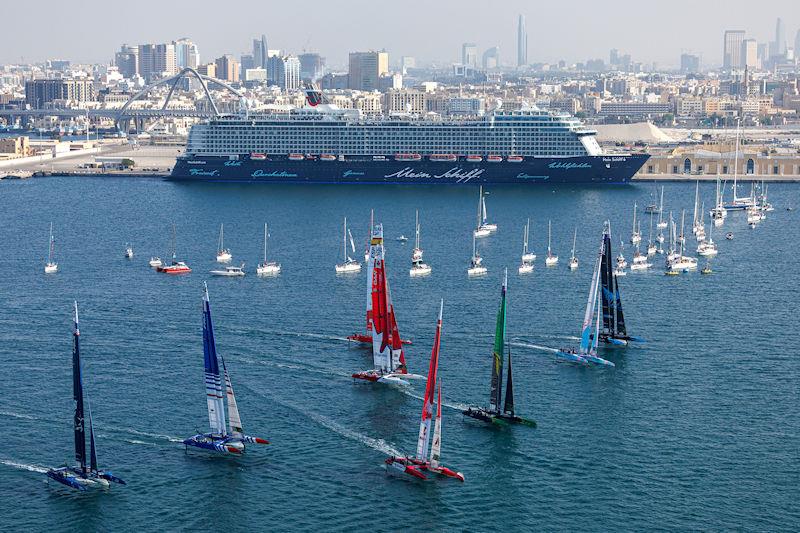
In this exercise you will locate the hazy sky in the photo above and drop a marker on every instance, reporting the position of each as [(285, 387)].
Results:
[(92, 30)]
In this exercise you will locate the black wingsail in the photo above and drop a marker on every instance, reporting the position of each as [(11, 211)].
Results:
[(509, 405), (606, 280), (92, 449), (77, 394), (495, 393), (620, 330)]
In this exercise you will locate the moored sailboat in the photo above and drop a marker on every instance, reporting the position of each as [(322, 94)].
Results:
[(551, 259), (476, 267), (526, 267), (482, 227), (267, 268), (418, 265), (51, 267), (223, 254), (82, 476), (573, 261), (176, 267), (349, 265), (227, 435), (426, 460), (500, 412)]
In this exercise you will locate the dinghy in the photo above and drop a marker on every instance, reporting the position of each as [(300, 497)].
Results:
[(82, 476), (230, 438)]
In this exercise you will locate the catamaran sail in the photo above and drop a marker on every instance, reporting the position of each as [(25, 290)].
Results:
[(497, 412), (81, 477), (230, 437), (614, 330), (427, 456)]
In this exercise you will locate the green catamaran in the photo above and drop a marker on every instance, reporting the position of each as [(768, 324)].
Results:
[(500, 411)]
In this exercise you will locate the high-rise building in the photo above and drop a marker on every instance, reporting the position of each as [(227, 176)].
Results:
[(38, 93), (613, 57), (750, 54), (186, 54), (779, 46), (157, 61), (469, 55), (260, 55), (312, 66), (407, 62), (797, 44), (522, 42), (732, 49), (227, 68), (690, 63), (209, 69), (127, 60), (365, 70), (284, 71), (491, 58)]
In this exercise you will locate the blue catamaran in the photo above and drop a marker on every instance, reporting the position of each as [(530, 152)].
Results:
[(82, 476), (613, 330), (586, 353), (225, 438)]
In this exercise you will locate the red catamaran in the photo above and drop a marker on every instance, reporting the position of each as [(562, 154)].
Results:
[(389, 364), (424, 463)]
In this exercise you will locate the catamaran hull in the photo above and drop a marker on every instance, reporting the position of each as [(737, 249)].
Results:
[(225, 445), (419, 469), (241, 168), (76, 479), (497, 418), (570, 357), (387, 379)]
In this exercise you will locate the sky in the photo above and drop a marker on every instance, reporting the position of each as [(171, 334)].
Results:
[(430, 30)]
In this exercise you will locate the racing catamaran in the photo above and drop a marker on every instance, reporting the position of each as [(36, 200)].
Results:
[(614, 330), (82, 476), (497, 413), (389, 365), (586, 353), (230, 438), (427, 459)]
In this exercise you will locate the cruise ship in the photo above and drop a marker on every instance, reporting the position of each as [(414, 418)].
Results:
[(320, 143)]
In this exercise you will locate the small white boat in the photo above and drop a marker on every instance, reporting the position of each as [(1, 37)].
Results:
[(551, 259), (267, 268), (418, 266), (483, 228), (619, 272), (526, 267), (51, 267), (573, 261), (230, 271), (640, 261), (636, 235), (621, 262), (128, 251), (350, 265), (155, 262), (661, 224), (223, 254), (729, 236), (681, 262), (707, 248), (402, 239), (476, 267)]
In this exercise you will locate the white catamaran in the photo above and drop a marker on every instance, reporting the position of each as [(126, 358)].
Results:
[(227, 438)]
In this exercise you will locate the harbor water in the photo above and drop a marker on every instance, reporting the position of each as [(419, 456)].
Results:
[(697, 428)]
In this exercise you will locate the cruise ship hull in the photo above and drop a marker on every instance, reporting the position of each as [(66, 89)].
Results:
[(603, 169)]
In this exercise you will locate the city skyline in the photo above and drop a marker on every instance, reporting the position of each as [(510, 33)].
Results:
[(588, 38)]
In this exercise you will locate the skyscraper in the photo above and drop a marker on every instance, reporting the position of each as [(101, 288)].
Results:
[(365, 69), (797, 44), (227, 68), (127, 60), (522, 42), (469, 55), (312, 66), (186, 53), (260, 54), (750, 53), (690, 63), (491, 58), (779, 48), (732, 49)]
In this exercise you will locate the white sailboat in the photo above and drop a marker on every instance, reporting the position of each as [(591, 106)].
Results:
[(51, 267), (708, 247), (268, 268), (482, 227), (476, 267), (682, 262), (526, 267), (349, 265), (695, 220), (223, 254), (661, 222), (700, 233), (718, 213), (418, 266), (652, 249), (640, 261), (636, 235), (573, 261), (551, 259), (737, 202)]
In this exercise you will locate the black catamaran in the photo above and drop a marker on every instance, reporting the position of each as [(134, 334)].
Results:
[(81, 477), (614, 330), (499, 411)]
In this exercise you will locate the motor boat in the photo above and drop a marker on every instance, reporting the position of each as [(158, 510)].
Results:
[(155, 262), (177, 267), (230, 271)]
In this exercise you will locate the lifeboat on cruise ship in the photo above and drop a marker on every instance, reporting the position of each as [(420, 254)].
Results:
[(257, 156), (379, 158), (327, 157), (514, 159), (494, 158), (296, 157), (407, 157), (443, 157), (474, 159)]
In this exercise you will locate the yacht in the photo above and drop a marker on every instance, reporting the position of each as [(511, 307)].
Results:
[(267, 268), (230, 271), (636, 235), (155, 262), (418, 266), (223, 254), (551, 259), (51, 267), (528, 257), (349, 265), (573, 261), (476, 267), (128, 251)]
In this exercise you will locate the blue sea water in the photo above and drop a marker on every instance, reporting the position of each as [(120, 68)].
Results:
[(697, 428)]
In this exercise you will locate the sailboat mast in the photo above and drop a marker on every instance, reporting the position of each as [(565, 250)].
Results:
[(50, 247), (634, 218), (344, 240), (661, 205), (574, 241), (736, 162), (77, 395), (265, 243), (416, 228), (480, 202), (549, 224)]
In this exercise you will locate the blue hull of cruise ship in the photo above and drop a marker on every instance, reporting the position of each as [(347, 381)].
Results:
[(606, 169)]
